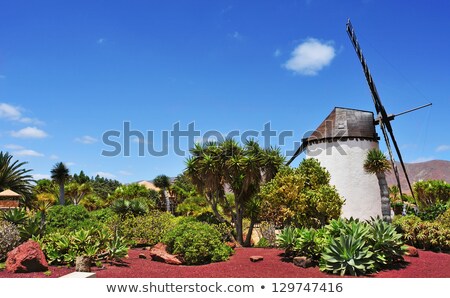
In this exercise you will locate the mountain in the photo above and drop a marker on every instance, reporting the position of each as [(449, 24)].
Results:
[(429, 170)]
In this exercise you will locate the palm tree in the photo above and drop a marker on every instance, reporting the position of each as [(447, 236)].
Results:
[(377, 163), (242, 169), (14, 177), (60, 174), (163, 182)]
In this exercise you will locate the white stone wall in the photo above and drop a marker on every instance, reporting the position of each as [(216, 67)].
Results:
[(344, 160)]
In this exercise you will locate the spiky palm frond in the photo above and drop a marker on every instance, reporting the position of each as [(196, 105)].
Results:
[(376, 162), (13, 176)]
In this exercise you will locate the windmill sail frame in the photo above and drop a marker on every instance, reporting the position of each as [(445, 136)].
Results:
[(384, 119)]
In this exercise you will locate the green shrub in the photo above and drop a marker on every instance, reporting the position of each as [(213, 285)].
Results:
[(197, 243), (431, 212), (71, 218), (424, 234), (193, 206), (444, 219), (300, 197), (430, 192), (9, 238), (102, 215), (149, 229)]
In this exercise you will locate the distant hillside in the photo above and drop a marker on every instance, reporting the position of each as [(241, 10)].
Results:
[(429, 170)]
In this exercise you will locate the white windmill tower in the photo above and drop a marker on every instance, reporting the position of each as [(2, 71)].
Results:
[(341, 143)]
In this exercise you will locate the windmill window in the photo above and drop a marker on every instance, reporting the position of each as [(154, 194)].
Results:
[(341, 125)]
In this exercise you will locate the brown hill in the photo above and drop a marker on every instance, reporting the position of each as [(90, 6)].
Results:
[(429, 170)]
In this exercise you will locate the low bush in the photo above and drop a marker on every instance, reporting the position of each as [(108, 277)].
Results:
[(148, 229), (197, 243), (425, 234), (431, 212), (69, 217), (193, 206), (9, 238), (63, 248)]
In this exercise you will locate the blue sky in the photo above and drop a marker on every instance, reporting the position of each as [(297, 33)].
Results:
[(72, 70)]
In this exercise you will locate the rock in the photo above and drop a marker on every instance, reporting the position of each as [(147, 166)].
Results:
[(159, 253), (142, 256), (411, 251), (27, 257), (256, 258), (83, 264), (303, 262)]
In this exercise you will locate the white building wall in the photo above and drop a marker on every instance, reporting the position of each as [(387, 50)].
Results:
[(344, 160)]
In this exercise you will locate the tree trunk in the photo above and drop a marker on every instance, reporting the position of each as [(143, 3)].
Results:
[(61, 194), (167, 199), (238, 224), (248, 239), (385, 202)]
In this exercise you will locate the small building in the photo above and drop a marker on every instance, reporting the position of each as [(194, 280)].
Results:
[(341, 143), (9, 199)]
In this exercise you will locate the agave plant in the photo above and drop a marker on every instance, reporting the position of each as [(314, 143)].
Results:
[(117, 247), (287, 239), (347, 255), (305, 244), (16, 216), (386, 242)]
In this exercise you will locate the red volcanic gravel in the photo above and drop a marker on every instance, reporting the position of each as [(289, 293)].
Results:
[(428, 264)]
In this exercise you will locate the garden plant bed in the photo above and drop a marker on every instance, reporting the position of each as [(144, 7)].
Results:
[(427, 265)]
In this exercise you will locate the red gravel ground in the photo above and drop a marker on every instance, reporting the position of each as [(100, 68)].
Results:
[(428, 264)]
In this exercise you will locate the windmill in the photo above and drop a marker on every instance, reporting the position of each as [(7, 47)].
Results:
[(341, 143)]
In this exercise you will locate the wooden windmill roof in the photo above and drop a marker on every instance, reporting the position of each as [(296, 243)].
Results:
[(345, 123), (9, 194)]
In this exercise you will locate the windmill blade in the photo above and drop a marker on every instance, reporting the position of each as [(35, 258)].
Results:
[(373, 89), (297, 153), (397, 149), (384, 119), (391, 157)]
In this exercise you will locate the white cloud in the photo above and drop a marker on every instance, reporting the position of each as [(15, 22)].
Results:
[(70, 163), (125, 173), (105, 175), (422, 159), (443, 148), (13, 113), (13, 147), (7, 111), (53, 157), (309, 57), (86, 140), (41, 176), (236, 35), (27, 152), (277, 53), (29, 132), (101, 40)]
